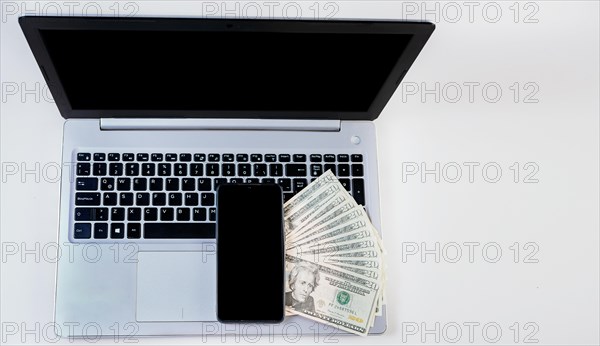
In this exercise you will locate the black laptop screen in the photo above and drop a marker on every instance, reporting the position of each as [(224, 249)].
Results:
[(222, 70)]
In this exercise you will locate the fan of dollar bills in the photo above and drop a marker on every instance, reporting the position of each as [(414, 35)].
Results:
[(334, 258)]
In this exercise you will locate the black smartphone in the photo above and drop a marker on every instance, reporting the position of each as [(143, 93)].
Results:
[(250, 253)]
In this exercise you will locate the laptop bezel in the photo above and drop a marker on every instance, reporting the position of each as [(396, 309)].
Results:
[(31, 26)]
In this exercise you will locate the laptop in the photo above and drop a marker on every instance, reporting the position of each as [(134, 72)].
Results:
[(160, 111)]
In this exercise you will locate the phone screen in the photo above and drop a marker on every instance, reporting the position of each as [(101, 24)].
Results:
[(250, 250)]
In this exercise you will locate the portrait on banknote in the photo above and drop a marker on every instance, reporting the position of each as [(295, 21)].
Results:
[(302, 281)]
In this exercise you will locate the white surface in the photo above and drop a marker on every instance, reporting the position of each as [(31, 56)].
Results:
[(555, 221)]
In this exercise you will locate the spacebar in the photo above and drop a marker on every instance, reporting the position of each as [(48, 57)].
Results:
[(164, 230)]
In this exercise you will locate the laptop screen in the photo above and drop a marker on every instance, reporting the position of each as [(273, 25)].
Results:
[(243, 71), (194, 67)]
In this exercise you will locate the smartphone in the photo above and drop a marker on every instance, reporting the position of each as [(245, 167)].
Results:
[(250, 253)]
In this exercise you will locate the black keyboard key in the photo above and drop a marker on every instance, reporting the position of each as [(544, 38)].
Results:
[(285, 183), (196, 169), (295, 170), (268, 181), (236, 180), (212, 169), (329, 158), (100, 231), (172, 184), (343, 158), (270, 157), (357, 170), (148, 169), (134, 231), (101, 214), (156, 157), (284, 157), (142, 157), (99, 168), (117, 214), (84, 156), (276, 169), (241, 157), (214, 157), (83, 169), (343, 170), (217, 182), (199, 214), (126, 198), (128, 157), (82, 231), (86, 184), (180, 169), (110, 198), (228, 169), (287, 196), (115, 169), (358, 190), (114, 157), (299, 158), (228, 157), (183, 214), (256, 157), (185, 157), (117, 231), (107, 184), (159, 198), (329, 166), (252, 181), (199, 157), (166, 214), (212, 214), (299, 184), (244, 169), (99, 156), (188, 184), (140, 184), (356, 157), (164, 169), (87, 198), (123, 184), (134, 214), (260, 170), (150, 214), (175, 198), (207, 199), (187, 230), (204, 184), (191, 199), (316, 170), (156, 184), (132, 169), (142, 198), (171, 157), (345, 183), (316, 158), (84, 214)]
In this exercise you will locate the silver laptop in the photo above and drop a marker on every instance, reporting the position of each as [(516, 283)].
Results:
[(159, 111)]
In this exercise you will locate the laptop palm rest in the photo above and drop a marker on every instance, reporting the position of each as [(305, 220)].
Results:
[(176, 286)]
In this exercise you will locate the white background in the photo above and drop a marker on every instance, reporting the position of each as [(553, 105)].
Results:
[(546, 292)]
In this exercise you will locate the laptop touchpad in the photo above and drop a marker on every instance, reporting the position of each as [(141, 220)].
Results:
[(176, 286)]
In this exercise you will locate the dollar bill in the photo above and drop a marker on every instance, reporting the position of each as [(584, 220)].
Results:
[(335, 260), (323, 231), (333, 296), (325, 179)]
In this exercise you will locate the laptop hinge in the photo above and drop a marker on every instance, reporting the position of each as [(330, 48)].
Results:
[(219, 124)]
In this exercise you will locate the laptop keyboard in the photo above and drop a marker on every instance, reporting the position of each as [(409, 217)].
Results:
[(172, 196)]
